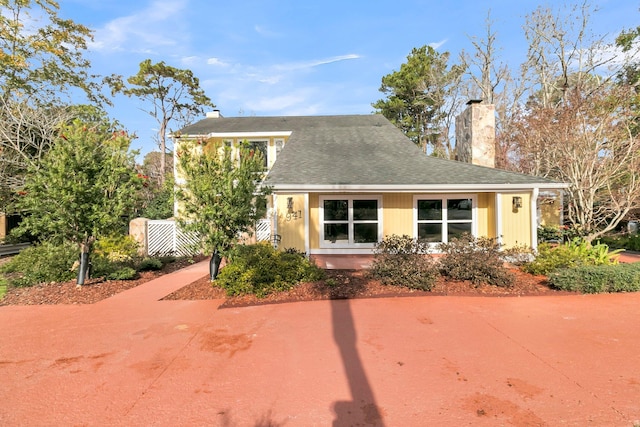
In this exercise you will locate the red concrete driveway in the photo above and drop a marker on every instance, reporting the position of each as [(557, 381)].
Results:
[(132, 360)]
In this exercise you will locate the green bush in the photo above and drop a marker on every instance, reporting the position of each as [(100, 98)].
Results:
[(476, 259), (550, 233), (403, 261), (629, 242), (261, 270), (595, 279), (571, 254), (118, 248), (45, 262), (150, 264), (122, 273)]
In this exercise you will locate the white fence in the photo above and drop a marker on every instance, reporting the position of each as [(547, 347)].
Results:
[(164, 237)]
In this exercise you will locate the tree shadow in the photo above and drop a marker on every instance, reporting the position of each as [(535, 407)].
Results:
[(362, 409)]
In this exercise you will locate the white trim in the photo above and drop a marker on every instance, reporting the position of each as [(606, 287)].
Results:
[(350, 221), (440, 188), (244, 135), (307, 247), (534, 219), (275, 217), (499, 239), (444, 197)]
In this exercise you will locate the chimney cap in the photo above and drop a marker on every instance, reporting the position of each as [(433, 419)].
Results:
[(474, 101)]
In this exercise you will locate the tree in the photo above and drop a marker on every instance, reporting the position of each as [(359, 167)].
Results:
[(157, 194), (417, 93), (220, 194), (174, 95), (44, 59), (562, 52), (26, 134), (588, 142), (83, 187), (484, 58)]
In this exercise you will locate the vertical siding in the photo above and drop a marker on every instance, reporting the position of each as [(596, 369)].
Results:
[(516, 224), (486, 215), (291, 226), (397, 215)]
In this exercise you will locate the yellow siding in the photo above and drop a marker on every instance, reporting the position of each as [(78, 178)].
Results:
[(291, 223), (398, 218), (397, 215), (486, 215), (516, 223)]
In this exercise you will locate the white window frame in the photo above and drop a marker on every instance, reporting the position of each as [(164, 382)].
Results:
[(350, 244), (445, 221)]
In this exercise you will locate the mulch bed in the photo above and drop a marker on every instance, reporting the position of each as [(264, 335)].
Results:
[(94, 290), (349, 284), (339, 284)]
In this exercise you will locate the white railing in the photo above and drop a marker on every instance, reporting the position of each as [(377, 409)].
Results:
[(263, 230), (164, 237)]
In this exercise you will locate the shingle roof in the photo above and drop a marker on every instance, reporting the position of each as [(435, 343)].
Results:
[(360, 151)]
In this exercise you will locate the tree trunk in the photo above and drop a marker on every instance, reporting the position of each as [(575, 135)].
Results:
[(214, 265), (83, 268)]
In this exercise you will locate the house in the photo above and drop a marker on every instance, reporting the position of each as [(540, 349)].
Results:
[(341, 183)]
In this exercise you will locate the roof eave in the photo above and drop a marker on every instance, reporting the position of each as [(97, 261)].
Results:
[(449, 188)]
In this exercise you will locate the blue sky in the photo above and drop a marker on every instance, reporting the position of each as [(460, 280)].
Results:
[(281, 57)]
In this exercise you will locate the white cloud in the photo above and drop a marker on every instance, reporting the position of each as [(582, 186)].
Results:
[(314, 63), (217, 62), (141, 31), (436, 45)]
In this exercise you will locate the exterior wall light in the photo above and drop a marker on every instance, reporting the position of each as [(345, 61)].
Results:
[(290, 204), (517, 202)]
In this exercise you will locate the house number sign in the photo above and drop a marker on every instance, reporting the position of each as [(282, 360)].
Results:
[(293, 215)]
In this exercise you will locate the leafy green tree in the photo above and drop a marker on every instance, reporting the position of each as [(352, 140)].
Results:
[(157, 193), (417, 93), (83, 187), (220, 195), (173, 95), (41, 53)]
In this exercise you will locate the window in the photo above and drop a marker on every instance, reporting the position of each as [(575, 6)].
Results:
[(263, 148), (350, 221), (439, 218)]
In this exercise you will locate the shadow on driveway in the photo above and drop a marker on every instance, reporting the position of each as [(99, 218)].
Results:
[(362, 408)]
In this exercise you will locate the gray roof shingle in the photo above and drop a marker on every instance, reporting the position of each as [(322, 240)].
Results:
[(361, 152)]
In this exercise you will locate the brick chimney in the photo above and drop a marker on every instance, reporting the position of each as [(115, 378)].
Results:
[(476, 134)]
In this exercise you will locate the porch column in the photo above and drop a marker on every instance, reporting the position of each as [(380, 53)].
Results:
[(534, 218)]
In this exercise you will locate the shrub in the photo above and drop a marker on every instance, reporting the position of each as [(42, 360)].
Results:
[(476, 259), (122, 273), (518, 255), (571, 254), (596, 279), (261, 270), (45, 262), (118, 248), (550, 233), (403, 261), (629, 242), (150, 264)]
